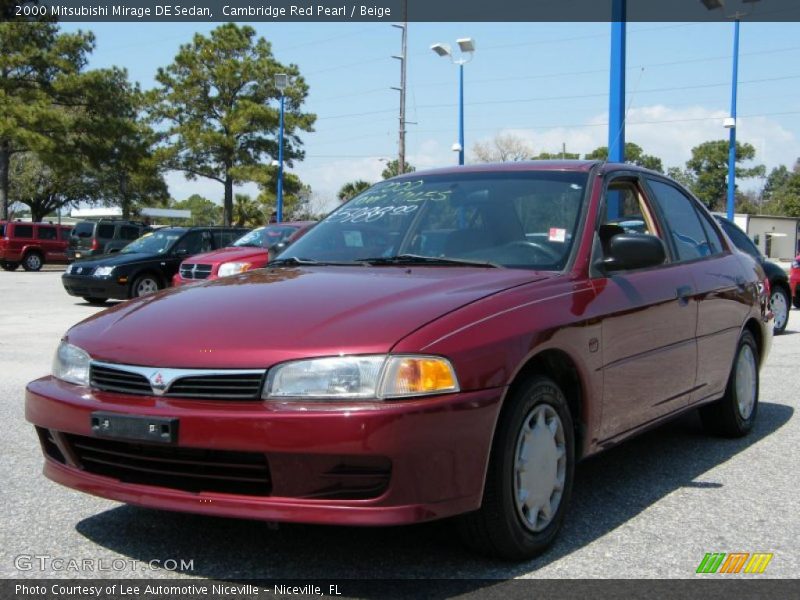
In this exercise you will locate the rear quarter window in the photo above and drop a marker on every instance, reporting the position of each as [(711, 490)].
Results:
[(46, 233), (83, 230)]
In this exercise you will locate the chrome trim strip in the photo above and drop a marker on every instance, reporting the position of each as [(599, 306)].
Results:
[(162, 379)]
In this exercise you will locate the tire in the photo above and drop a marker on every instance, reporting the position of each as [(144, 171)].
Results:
[(735, 413), (32, 262), (9, 266), (145, 285), (779, 304), (505, 525), (95, 301)]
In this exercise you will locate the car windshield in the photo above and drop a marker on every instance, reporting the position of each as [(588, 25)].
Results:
[(264, 237), (510, 219), (157, 242)]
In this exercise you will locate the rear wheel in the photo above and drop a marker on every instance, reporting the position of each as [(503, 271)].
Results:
[(32, 261), (9, 266), (530, 474), (144, 285), (95, 301), (734, 414), (779, 304)]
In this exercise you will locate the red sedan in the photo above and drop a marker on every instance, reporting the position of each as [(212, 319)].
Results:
[(794, 281), (447, 343)]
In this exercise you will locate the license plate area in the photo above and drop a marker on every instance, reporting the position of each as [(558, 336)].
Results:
[(161, 430)]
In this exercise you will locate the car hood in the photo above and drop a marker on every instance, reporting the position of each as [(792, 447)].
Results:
[(260, 318), (229, 254), (116, 259)]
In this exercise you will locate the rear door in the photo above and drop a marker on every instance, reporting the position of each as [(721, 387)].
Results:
[(724, 300), (648, 320), (47, 240)]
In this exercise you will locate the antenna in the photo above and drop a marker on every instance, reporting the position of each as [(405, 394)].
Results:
[(624, 118)]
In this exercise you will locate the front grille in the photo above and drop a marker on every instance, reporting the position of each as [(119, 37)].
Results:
[(115, 380), (216, 386), (186, 469), (82, 271), (195, 271)]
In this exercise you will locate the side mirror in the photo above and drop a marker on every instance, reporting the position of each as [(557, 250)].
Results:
[(633, 251), (181, 252)]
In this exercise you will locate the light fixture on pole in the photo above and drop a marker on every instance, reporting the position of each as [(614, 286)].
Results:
[(466, 47), (730, 122), (281, 83)]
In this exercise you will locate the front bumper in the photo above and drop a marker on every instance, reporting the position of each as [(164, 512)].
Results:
[(95, 287), (422, 459)]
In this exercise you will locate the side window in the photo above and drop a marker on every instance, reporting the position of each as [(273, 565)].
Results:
[(683, 221), (127, 232), (714, 241), (740, 239), (632, 215), (190, 244), (23, 231), (105, 232), (46, 233)]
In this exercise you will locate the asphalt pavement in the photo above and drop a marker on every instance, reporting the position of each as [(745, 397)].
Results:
[(651, 508)]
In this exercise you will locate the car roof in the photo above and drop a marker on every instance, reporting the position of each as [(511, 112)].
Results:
[(579, 166)]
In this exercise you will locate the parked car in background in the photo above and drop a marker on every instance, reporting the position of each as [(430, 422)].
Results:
[(251, 251), (145, 265), (93, 238), (32, 244), (794, 281), (364, 378), (780, 290)]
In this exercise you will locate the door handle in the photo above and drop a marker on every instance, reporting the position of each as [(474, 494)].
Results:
[(683, 293)]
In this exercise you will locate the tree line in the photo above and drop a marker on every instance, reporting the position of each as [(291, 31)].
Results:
[(72, 135)]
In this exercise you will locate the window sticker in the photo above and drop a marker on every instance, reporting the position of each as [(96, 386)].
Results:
[(557, 234)]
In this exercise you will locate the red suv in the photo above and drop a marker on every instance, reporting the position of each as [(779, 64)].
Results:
[(251, 251), (447, 343), (794, 281), (32, 244)]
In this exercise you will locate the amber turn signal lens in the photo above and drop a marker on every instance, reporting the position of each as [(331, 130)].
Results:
[(415, 375)]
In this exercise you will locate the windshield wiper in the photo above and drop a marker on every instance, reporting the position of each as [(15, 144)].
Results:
[(416, 259), (293, 261)]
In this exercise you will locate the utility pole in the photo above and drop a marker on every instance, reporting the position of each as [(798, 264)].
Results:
[(403, 58)]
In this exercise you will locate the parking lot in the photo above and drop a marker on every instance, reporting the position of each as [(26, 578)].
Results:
[(650, 508)]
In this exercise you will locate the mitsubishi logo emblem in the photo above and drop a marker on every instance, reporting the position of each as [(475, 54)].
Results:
[(157, 383)]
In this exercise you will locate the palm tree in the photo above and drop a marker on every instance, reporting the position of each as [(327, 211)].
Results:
[(247, 212), (351, 189)]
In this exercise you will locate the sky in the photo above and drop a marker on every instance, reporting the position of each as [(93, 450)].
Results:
[(545, 82)]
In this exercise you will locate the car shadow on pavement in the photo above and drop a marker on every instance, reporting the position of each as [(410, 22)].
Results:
[(610, 489)]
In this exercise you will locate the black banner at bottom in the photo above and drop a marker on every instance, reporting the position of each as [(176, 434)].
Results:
[(729, 588)]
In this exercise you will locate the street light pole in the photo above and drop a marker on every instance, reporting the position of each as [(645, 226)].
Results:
[(467, 48), (732, 133), (461, 113), (281, 82)]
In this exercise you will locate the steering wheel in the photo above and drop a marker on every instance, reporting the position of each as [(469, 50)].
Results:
[(538, 250)]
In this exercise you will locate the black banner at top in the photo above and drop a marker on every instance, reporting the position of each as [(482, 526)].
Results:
[(400, 10)]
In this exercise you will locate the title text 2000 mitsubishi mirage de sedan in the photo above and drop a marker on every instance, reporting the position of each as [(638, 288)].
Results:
[(448, 343)]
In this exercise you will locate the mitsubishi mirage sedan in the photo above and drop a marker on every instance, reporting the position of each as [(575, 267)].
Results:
[(447, 344)]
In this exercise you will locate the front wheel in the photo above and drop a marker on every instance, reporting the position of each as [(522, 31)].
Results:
[(734, 414), (779, 305), (9, 266), (145, 285), (530, 475), (32, 262)]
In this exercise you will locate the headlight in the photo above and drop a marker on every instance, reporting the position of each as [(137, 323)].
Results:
[(68, 270), (233, 268), (360, 377), (71, 364), (796, 264), (103, 271)]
